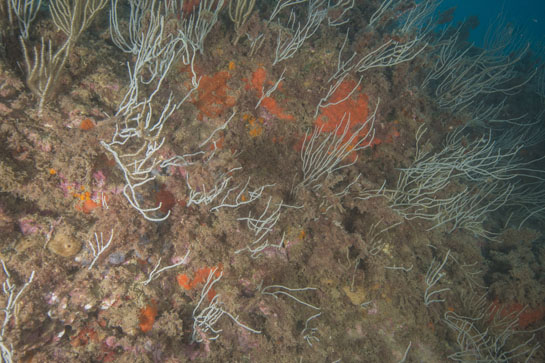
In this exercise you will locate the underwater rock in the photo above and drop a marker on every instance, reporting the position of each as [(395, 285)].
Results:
[(116, 258), (63, 243)]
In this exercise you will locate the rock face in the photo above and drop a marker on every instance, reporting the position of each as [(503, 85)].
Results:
[(63, 243)]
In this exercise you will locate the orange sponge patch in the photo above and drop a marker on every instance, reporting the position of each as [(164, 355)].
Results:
[(212, 97), (147, 317)]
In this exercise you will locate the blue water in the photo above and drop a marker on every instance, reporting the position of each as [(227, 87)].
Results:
[(528, 15)]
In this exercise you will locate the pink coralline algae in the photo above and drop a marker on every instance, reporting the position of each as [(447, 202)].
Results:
[(29, 226)]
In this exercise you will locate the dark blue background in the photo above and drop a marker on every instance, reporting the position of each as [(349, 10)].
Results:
[(529, 14)]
